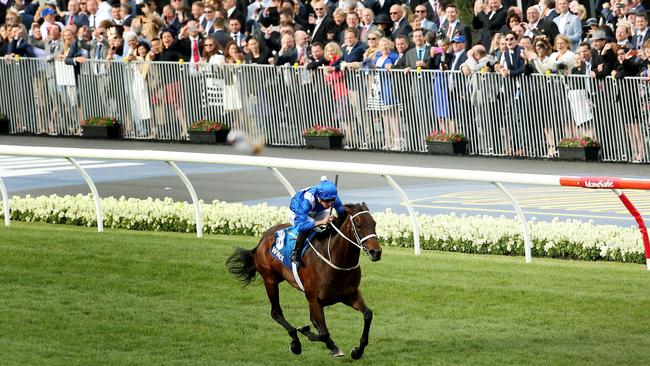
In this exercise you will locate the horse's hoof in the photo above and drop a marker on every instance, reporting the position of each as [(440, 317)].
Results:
[(356, 353), (304, 329), (336, 352), (296, 348)]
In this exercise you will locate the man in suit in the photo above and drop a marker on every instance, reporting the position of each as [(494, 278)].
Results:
[(353, 52), (367, 19), (351, 21), (53, 45), (511, 66), (320, 24), (191, 44), (219, 33), (453, 27), (99, 45), (18, 44), (538, 26), (287, 53), (233, 12), (419, 55), (488, 19), (317, 58), (400, 23), (568, 24), (380, 6), (642, 31), (401, 46), (209, 20), (74, 17), (421, 14)]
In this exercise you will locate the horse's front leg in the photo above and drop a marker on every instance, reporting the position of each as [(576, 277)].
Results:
[(357, 303), (273, 293), (317, 316)]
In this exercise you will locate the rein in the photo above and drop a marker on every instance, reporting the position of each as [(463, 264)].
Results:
[(358, 243)]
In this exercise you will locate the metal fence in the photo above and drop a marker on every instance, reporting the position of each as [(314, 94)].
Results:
[(376, 109)]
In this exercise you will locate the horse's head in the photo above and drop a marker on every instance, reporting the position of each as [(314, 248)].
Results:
[(363, 228)]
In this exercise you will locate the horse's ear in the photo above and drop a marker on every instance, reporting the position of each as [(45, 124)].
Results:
[(364, 206)]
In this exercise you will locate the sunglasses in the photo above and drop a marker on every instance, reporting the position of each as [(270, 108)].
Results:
[(209, 45), (393, 13), (509, 39), (372, 38), (329, 200), (420, 11), (208, 12), (319, 8)]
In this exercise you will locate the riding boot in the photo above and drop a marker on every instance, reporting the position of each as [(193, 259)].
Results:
[(297, 250)]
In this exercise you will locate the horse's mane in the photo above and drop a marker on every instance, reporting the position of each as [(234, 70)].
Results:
[(351, 208)]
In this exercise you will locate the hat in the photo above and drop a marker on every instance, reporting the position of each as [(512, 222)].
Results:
[(326, 189), (632, 12), (592, 21), (47, 11), (382, 19), (599, 34), (458, 39)]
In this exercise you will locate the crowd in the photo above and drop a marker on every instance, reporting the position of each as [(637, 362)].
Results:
[(545, 37)]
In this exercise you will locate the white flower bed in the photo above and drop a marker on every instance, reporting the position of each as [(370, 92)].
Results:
[(469, 234)]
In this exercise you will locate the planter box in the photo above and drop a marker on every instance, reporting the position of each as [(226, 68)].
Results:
[(324, 142), (579, 153), (208, 137), (447, 148), (4, 126), (101, 132)]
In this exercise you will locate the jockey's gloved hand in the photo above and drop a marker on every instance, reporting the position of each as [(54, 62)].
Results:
[(320, 228)]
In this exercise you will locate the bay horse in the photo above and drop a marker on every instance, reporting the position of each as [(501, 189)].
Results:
[(330, 274)]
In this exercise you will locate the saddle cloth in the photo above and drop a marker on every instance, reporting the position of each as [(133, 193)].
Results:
[(285, 241)]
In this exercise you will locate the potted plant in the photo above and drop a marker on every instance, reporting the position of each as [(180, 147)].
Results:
[(443, 143), (578, 148), (4, 124), (322, 137), (208, 132), (101, 127)]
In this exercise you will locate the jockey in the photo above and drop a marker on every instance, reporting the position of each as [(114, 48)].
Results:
[(310, 208)]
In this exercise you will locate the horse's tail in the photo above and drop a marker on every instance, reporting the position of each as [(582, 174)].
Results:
[(242, 265)]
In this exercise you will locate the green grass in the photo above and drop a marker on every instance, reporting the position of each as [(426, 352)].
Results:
[(71, 296)]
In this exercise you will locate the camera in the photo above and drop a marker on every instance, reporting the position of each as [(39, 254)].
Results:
[(561, 66)]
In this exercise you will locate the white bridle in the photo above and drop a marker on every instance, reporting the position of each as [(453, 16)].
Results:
[(358, 243)]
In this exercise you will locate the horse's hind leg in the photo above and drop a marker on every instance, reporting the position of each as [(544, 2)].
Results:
[(357, 303), (317, 316), (273, 293)]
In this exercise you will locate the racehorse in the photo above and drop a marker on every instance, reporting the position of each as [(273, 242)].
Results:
[(330, 274)]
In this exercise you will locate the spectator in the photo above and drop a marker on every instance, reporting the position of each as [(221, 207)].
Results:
[(381, 95), (54, 44), (488, 19), (116, 17), (606, 53), (421, 15), (512, 20), (234, 26), (383, 24), (367, 18), (91, 10), (401, 46), (170, 20), (18, 45), (219, 33), (380, 7), (74, 16), (453, 27), (321, 23), (317, 57), (197, 12), (191, 46), (400, 23), (4, 40), (623, 33), (212, 52), (116, 42), (149, 22), (351, 21), (287, 53), (338, 25), (334, 78), (179, 10), (99, 45), (255, 54), (208, 22), (590, 27), (419, 55), (302, 47), (642, 35), (511, 65), (232, 12), (568, 24), (49, 18)]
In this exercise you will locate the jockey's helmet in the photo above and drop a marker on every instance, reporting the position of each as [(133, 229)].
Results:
[(326, 190)]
